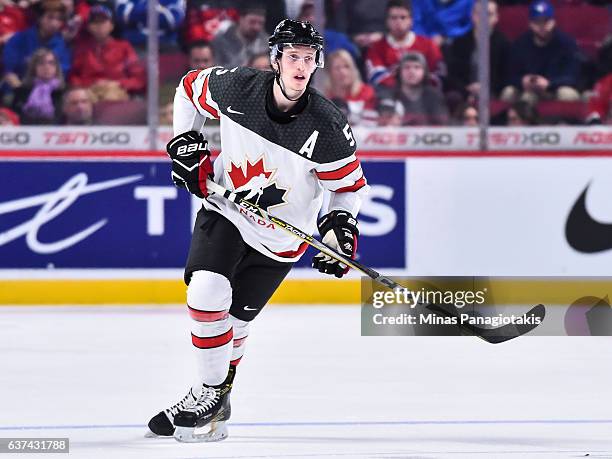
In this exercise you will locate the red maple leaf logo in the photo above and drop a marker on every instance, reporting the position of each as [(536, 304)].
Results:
[(238, 176)]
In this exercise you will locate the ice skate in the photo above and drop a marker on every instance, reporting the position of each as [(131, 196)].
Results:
[(212, 408), (162, 424)]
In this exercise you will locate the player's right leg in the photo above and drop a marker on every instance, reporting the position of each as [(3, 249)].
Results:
[(216, 249)]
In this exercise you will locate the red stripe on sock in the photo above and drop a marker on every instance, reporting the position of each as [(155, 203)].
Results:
[(213, 341), (207, 316), (236, 362), (239, 341)]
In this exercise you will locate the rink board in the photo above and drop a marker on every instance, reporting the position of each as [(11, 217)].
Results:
[(460, 214)]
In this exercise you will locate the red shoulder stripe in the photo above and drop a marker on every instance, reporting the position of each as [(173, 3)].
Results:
[(356, 186), (187, 84), (340, 172), (202, 100)]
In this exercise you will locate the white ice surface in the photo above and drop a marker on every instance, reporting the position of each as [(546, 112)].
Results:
[(309, 387)]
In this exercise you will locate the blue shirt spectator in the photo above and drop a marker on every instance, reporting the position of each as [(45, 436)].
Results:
[(132, 17), (443, 18), (46, 33)]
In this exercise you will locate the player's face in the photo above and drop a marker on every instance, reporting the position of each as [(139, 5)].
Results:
[(399, 21), (412, 73), (297, 65)]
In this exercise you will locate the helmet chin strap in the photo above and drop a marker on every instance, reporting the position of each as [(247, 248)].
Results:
[(281, 85)]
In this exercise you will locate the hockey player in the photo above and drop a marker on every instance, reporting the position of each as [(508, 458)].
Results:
[(283, 145)]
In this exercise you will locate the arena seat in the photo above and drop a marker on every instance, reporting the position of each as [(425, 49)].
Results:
[(513, 21), (172, 66), (128, 113), (587, 24), (554, 111)]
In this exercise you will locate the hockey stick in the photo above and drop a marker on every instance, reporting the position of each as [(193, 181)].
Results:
[(491, 335)]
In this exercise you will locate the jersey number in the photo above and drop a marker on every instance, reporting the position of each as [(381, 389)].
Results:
[(348, 134)]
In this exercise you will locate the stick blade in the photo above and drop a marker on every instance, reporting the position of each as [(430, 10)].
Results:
[(511, 331)]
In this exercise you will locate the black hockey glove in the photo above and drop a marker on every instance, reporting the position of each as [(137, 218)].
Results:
[(338, 230), (190, 162)]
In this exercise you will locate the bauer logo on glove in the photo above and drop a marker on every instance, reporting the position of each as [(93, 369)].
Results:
[(191, 163)]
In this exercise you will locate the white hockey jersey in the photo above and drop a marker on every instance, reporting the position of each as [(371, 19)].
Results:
[(282, 167)]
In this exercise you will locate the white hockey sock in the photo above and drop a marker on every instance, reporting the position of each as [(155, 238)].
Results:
[(241, 331), (209, 297)]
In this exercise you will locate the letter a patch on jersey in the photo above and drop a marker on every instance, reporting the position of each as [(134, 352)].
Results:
[(254, 183), (309, 145)]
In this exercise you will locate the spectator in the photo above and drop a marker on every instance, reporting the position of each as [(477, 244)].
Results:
[(46, 33), (419, 103), (166, 114), (200, 55), (600, 102), (362, 20), (544, 61), (77, 107), (466, 115), (8, 117), (462, 57), (389, 113), (604, 57), (384, 55), (12, 19), (345, 84), (132, 18), (260, 61), (442, 19), (76, 17), (240, 42), (520, 113), (333, 39), (108, 66), (38, 99), (206, 19)]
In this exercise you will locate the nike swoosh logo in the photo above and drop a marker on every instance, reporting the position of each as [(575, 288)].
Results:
[(585, 234), (248, 308), (229, 110)]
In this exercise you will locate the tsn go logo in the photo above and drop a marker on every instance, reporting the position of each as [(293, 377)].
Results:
[(14, 138)]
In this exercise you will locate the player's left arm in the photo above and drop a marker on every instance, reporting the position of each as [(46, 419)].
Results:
[(345, 179)]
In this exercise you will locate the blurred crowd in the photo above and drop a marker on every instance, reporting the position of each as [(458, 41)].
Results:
[(393, 63)]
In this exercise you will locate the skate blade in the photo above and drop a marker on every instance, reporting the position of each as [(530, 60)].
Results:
[(218, 431), (150, 434)]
